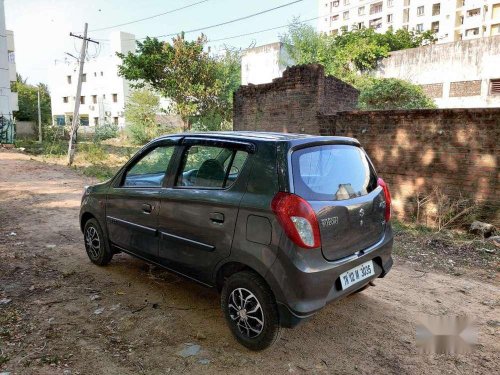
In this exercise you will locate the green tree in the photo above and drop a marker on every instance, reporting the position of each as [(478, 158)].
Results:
[(352, 55), (140, 114), (219, 114), (182, 71), (28, 101), (391, 93)]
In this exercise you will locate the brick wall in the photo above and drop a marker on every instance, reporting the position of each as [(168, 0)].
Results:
[(433, 90), (465, 88), (455, 150), (413, 150), (289, 104)]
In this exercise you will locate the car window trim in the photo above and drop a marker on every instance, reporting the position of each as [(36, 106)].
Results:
[(183, 152), (118, 183)]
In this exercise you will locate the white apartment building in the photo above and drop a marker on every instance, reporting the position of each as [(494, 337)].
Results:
[(450, 20), (103, 92), (262, 64), (8, 99)]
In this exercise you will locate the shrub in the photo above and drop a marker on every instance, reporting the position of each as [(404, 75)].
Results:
[(391, 93), (106, 131)]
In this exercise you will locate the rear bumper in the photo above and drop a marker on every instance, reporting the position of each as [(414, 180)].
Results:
[(304, 282)]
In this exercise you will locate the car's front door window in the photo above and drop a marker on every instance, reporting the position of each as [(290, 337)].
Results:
[(150, 170)]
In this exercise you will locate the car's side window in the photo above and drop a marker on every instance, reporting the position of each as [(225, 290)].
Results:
[(210, 167), (150, 170)]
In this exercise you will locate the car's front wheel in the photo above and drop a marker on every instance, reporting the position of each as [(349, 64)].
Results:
[(250, 310), (96, 244)]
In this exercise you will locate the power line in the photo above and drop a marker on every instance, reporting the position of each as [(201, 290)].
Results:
[(260, 31), (228, 22), (150, 17), (218, 24)]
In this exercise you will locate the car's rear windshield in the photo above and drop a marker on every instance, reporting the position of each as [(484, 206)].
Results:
[(332, 172)]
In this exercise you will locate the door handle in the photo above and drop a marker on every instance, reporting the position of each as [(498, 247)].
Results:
[(147, 208), (217, 217)]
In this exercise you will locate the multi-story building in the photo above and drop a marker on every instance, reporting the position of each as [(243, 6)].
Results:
[(103, 93), (8, 99), (450, 20), (262, 64)]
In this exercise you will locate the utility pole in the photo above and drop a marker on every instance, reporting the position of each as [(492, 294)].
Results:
[(76, 121), (39, 118)]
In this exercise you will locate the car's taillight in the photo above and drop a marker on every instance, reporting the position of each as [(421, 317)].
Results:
[(387, 196), (298, 219)]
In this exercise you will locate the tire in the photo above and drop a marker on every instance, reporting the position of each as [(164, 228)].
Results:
[(96, 243), (244, 318)]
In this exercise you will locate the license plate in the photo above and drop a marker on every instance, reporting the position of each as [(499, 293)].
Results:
[(356, 274)]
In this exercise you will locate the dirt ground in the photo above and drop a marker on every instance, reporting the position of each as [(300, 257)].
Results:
[(62, 315)]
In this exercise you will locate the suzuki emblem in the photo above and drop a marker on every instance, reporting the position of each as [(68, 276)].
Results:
[(361, 213)]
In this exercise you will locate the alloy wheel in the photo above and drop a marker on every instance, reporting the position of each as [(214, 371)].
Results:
[(92, 242), (246, 312)]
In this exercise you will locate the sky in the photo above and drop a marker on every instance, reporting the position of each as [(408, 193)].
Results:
[(41, 27)]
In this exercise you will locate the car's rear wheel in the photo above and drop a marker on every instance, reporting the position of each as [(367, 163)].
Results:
[(96, 244), (250, 310)]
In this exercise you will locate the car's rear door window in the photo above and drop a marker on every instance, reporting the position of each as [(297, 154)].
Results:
[(210, 167), (332, 172), (149, 171)]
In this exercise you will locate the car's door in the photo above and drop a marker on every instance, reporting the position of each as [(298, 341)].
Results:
[(199, 210), (133, 202)]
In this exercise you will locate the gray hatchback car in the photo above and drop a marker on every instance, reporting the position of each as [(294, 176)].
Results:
[(281, 224)]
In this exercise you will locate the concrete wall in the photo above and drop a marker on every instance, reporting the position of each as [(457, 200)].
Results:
[(455, 75), (264, 63), (25, 128), (414, 151)]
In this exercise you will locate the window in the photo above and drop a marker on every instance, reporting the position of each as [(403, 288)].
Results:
[(345, 15), (406, 3), (68, 78), (436, 9), (96, 121), (210, 167), (102, 74), (150, 170), (420, 28), (12, 57), (84, 77), (94, 99), (360, 25), (115, 98), (435, 27), (375, 23), (495, 29), (347, 2), (104, 96), (420, 10), (361, 11), (82, 99), (389, 18), (335, 17), (334, 4), (474, 12), (65, 99), (376, 8), (389, 3), (95, 74), (470, 32), (115, 120), (495, 12), (332, 172), (406, 15), (495, 86)]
